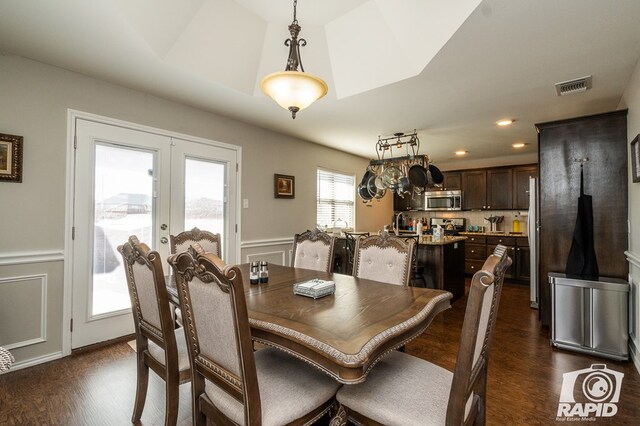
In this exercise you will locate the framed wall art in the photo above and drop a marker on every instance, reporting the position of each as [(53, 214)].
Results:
[(284, 186), (10, 158), (635, 159)]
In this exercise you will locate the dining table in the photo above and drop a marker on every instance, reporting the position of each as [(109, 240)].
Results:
[(345, 333)]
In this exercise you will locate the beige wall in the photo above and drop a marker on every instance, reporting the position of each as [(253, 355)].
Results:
[(35, 100), (631, 100)]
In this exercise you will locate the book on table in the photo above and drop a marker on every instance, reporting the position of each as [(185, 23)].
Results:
[(314, 288)]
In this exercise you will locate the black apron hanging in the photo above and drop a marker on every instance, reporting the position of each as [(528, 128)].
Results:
[(582, 256)]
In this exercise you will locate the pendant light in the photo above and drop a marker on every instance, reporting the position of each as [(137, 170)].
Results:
[(292, 89)]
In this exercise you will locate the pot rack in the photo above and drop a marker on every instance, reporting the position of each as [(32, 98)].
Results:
[(409, 141)]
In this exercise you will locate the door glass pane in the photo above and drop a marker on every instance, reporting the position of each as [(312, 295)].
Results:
[(204, 196), (123, 207)]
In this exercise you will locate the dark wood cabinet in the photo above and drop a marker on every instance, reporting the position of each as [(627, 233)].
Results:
[(474, 187), (408, 201), (499, 189), (523, 263), (475, 254), (478, 247), (452, 181), (510, 243), (521, 175), (603, 139)]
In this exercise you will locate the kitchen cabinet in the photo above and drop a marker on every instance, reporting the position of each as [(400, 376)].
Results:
[(475, 254), (499, 189), (409, 201), (521, 175), (452, 181), (479, 247), (474, 187), (442, 265)]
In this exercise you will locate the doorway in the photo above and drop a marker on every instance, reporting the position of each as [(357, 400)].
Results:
[(143, 182)]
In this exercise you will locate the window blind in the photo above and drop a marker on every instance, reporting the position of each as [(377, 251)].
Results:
[(335, 198)]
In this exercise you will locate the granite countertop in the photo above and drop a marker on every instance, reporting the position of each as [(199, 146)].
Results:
[(427, 240), (495, 234)]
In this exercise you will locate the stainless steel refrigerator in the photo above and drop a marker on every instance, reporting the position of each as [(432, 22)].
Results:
[(532, 233)]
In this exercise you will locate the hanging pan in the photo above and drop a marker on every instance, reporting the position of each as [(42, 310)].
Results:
[(436, 174), (418, 175)]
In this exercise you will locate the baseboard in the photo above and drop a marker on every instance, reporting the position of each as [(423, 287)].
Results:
[(634, 354), (34, 361)]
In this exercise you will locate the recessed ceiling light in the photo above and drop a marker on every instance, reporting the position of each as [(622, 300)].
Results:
[(504, 122), (518, 145), (461, 152)]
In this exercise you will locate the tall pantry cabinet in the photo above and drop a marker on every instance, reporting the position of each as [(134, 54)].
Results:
[(601, 138)]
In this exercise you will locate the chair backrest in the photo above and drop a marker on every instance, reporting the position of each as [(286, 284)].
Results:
[(313, 250), (209, 241), (350, 246), (217, 327), (384, 258), (149, 298), (468, 388)]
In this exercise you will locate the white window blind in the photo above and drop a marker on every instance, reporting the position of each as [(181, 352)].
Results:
[(335, 198)]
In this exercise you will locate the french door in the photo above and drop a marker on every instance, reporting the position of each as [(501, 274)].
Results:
[(134, 182)]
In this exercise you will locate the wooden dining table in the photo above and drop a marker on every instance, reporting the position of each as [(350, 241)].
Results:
[(344, 334)]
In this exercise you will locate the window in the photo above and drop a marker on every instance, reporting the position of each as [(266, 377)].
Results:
[(335, 198)]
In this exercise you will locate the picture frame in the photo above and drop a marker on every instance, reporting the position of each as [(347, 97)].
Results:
[(284, 186), (10, 158), (635, 159)]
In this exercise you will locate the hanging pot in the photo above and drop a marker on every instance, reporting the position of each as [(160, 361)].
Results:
[(363, 192), (436, 174), (371, 186), (418, 175), (366, 177), (403, 182)]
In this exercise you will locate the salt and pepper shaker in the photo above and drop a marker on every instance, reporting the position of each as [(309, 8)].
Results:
[(264, 272), (253, 274)]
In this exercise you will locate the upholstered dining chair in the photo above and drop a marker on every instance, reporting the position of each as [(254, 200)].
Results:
[(385, 258), (313, 250), (209, 241), (158, 345), (231, 383), (402, 389)]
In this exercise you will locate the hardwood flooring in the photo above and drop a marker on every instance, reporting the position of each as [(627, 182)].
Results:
[(97, 387)]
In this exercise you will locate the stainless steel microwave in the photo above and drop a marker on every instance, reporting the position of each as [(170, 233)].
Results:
[(442, 200)]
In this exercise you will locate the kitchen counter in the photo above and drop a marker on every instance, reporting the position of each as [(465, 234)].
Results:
[(428, 240), (494, 234)]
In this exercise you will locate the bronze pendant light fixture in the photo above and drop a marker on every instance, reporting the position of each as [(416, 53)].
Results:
[(292, 89)]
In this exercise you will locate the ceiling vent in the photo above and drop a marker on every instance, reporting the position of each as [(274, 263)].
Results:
[(573, 86)]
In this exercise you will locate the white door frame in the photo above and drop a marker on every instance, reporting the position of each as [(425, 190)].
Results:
[(72, 116)]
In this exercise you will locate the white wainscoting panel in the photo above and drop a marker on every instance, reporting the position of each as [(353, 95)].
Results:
[(275, 257), (23, 310), (22, 258)]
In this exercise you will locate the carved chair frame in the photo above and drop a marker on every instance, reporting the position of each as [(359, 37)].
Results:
[(315, 235), (385, 240), (196, 235)]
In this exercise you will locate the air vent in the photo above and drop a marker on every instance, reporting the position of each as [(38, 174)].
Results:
[(573, 86)]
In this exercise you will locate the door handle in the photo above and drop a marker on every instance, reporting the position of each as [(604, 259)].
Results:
[(164, 240), (163, 226)]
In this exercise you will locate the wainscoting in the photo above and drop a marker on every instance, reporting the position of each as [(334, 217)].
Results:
[(277, 251), (31, 306), (634, 307)]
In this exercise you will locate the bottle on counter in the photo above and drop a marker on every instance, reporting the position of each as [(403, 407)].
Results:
[(264, 272), (515, 225), (254, 273), (419, 227), (437, 233)]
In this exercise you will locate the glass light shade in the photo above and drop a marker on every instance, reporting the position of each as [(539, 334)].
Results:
[(293, 88)]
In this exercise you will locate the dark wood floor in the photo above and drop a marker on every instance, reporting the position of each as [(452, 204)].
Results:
[(525, 376)]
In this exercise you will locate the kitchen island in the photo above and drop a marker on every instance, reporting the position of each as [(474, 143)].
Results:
[(440, 264)]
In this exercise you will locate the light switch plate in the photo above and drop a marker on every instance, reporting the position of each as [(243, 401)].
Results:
[(245, 203)]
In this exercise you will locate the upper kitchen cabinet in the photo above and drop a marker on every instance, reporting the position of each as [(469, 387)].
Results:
[(499, 189), (452, 181), (474, 187), (409, 201), (521, 175)]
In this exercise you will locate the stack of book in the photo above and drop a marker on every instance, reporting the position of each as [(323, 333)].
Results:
[(315, 288)]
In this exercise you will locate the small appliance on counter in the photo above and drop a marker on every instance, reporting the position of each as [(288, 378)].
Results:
[(451, 226)]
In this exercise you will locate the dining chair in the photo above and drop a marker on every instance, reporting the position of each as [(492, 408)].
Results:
[(350, 247), (403, 389), (313, 250), (232, 384), (385, 258), (209, 241), (158, 345)]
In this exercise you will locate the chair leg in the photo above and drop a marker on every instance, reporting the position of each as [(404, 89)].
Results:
[(141, 388), (172, 402)]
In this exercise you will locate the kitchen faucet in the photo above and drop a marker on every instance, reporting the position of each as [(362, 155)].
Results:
[(396, 229)]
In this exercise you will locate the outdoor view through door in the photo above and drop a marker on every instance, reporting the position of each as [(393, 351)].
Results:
[(129, 181)]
